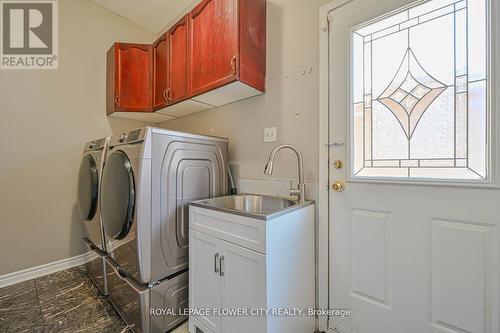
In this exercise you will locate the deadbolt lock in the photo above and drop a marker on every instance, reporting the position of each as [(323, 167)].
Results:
[(338, 164), (338, 186)]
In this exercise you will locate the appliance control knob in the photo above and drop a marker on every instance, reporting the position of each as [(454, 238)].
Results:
[(123, 137), (93, 144)]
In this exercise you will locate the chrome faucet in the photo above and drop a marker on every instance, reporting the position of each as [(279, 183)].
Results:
[(300, 191)]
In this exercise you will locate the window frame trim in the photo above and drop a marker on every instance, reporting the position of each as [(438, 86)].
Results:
[(492, 77)]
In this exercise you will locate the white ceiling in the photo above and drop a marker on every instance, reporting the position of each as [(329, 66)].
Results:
[(153, 15)]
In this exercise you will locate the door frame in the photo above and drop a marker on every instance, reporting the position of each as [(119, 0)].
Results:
[(323, 232), (323, 202)]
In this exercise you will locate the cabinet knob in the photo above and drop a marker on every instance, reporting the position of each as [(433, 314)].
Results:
[(221, 264), (167, 95), (233, 65), (116, 100), (216, 261)]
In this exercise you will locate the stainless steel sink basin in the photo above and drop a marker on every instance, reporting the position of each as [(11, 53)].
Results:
[(252, 205)]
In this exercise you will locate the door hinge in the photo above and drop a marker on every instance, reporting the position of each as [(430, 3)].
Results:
[(326, 23)]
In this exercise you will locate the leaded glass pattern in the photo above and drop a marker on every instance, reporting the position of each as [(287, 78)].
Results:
[(420, 93)]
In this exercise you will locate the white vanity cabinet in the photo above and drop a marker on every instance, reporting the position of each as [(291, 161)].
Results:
[(240, 263)]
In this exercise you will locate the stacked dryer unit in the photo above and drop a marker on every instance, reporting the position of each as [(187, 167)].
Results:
[(149, 178), (89, 183)]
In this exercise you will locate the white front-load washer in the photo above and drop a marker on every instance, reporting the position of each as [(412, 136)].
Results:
[(150, 176), (89, 183)]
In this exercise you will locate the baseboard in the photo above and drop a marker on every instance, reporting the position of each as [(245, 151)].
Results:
[(52, 267)]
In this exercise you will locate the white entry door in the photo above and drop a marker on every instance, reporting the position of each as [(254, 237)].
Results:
[(415, 233)]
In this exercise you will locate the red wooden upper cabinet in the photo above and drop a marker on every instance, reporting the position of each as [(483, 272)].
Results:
[(227, 49), (161, 72), (171, 66), (129, 78), (178, 61), (214, 55)]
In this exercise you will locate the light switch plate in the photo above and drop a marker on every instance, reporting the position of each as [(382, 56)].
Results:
[(270, 134)]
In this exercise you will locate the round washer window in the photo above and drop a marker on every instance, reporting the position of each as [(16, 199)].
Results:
[(117, 195), (88, 187)]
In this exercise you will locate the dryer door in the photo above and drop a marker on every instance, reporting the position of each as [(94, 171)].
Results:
[(117, 195), (88, 188)]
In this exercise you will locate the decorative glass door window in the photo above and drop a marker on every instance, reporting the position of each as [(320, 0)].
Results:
[(420, 93)]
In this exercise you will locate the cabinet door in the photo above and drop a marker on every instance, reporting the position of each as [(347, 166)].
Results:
[(213, 28), (161, 72), (204, 277), (178, 40), (133, 77), (243, 287)]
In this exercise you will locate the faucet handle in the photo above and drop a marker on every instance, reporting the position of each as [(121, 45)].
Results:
[(295, 192)]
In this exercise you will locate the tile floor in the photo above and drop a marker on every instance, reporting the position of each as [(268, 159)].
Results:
[(65, 301)]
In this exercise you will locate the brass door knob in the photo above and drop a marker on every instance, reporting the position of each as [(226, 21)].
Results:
[(338, 186)]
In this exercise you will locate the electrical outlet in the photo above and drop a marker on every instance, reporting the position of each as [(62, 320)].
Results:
[(270, 134)]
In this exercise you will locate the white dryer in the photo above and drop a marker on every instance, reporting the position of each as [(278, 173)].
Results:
[(89, 181), (149, 178)]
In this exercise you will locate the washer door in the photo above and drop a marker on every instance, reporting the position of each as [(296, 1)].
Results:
[(117, 195), (88, 188)]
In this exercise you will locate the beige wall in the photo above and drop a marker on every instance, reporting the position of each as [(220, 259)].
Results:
[(290, 103), (47, 116)]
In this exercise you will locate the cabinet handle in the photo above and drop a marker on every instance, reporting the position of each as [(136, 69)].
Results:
[(116, 100), (221, 264), (216, 259), (233, 65), (167, 94)]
